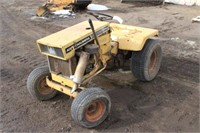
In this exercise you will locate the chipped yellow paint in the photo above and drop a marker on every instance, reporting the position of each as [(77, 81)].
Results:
[(61, 88), (62, 80), (131, 37), (67, 37)]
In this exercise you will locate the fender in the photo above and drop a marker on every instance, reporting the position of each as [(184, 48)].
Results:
[(131, 38)]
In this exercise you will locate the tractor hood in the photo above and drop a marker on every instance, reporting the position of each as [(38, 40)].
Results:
[(70, 38)]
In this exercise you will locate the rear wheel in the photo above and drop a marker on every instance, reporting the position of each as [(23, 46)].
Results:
[(36, 84), (90, 107), (145, 64)]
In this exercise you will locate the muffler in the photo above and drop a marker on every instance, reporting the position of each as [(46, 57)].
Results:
[(80, 70)]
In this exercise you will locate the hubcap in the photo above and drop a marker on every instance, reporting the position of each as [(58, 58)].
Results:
[(153, 61), (95, 111), (43, 88)]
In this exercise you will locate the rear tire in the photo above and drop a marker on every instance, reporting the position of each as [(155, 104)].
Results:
[(145, 64), (36, 84), (91, 107)]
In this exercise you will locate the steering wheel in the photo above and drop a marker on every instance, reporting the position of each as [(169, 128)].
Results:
[(101, 16)]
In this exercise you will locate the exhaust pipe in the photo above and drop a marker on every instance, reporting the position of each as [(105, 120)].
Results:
[(80, 70)]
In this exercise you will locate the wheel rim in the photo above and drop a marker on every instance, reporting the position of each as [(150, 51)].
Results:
[(43, 88), (95, 111), (153, 61)]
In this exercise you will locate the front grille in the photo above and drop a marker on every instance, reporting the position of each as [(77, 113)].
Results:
[(51, 50), (63, 67)]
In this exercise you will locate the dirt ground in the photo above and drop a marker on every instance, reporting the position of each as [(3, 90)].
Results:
[(170, 103)]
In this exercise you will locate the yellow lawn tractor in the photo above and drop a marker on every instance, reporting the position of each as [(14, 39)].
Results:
[(54, 5), (78, 53)]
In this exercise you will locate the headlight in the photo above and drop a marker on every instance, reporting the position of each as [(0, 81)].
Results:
[(51, 50)]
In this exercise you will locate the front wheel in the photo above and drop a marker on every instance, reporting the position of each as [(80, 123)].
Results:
[(145, 64), (90, 107), (36, 84)]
